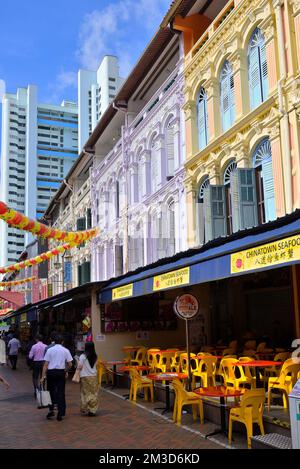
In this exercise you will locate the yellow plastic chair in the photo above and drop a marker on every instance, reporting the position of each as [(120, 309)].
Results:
[(275, 370), (184, 362), (163, 363), (231, 367), (182, 398), (220, 371), (175, 362), (140, 382), (128, 352), (249, 412), (152, 358), (140, 357), (249, 372), (206, 371), (285, 381), (103, 372)]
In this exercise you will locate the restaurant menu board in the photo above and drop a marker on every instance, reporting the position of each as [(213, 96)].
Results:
[(137, 315)]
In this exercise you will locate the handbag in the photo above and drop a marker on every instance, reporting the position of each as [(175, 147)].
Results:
[(43, 397), (76, 377)]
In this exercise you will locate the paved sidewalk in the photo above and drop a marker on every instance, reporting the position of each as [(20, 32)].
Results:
[(119, 423)]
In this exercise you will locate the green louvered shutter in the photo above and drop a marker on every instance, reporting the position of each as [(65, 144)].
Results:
[(243, 199), (214, 211)]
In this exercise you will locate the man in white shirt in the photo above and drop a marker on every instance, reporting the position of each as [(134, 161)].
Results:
[(57, 360), (13, 348)]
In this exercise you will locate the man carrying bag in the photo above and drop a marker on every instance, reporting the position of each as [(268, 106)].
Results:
[(43, 397), (57, 360)]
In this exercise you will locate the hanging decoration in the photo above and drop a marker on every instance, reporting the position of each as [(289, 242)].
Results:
[(45, 256), (20, 221), (12, 283)]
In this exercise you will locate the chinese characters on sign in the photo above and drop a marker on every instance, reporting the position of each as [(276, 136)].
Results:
[(278, 252), (186, 306), (122, 292), (172, 279)]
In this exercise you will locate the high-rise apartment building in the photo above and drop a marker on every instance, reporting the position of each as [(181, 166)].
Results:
[(39, 146), (96, 90)]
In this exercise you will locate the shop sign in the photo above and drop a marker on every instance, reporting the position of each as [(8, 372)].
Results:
[(176, 278), (23, 317), (267, 255), (122, 292), (186, 306)]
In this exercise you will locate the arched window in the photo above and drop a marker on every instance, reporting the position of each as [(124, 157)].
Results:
[(201, 211), (202, 117), (205, 183), (226, 181), (258, 69), (170, 150), (227, 96), (154, 166), (262, 162)]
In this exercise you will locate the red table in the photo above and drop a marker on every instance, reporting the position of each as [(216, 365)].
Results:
[(167, 377), (114, 364), (257, 364), (221, 392)]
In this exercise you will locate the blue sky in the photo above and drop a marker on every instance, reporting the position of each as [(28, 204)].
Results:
[(45, 42)]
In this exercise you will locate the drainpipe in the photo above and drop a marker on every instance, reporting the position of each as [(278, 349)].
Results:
[(287, 173)]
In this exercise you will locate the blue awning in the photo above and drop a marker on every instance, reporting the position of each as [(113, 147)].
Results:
[(209, 263)]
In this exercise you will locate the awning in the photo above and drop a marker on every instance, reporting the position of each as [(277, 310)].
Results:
[(272, 245), (65, 297)]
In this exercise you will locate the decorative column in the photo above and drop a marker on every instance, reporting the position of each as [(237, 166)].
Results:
[(146, 176), (105, 202), (191, 194), (296, 14), (190, 110), (277, 163), (133, 171), (177, 144), (239, 62), (212, 87), (162, 159), (268, 30)]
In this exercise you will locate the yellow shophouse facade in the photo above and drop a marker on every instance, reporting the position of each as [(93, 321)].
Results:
[(242, 112)]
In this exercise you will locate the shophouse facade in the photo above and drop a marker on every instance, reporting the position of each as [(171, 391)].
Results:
[(242, 90), (70, 210)]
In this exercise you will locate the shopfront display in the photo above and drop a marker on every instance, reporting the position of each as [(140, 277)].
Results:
[(153, 313)]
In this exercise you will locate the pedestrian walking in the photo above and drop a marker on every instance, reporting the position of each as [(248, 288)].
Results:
[(13, 346), (2, 352), (89, 386), (57, 360), (36, 354)]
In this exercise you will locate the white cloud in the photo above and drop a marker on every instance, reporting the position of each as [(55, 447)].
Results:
[(118, 29), (64, 81)]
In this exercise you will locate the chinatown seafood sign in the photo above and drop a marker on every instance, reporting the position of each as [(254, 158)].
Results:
[(186, 306)]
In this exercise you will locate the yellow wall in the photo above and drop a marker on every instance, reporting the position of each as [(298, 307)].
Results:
[(278, 117)]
